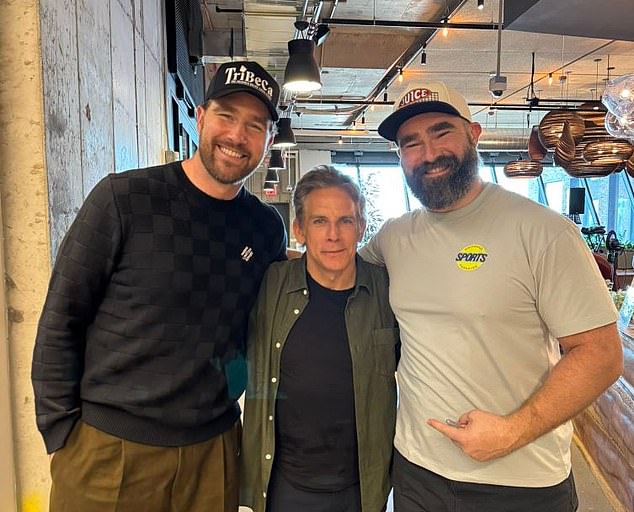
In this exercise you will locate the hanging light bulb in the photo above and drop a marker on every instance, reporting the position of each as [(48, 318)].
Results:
[(445, 30), (268, 186), (340, 141), (285, 138), (423, 56), (400, 74), (550, 79), (276, 161), (272, 176), (480, 4), (302, 71)]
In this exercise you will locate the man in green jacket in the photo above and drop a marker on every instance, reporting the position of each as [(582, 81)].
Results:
[(321, 398)]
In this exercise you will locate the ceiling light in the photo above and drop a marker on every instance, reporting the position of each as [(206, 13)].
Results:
[(340, 141), (271, 176), (445, 30), (523, 169), (551, 127), (276, 161), (400, 74), (385, 96), (268, 186), (285, 137), (321, 33), (302, 72), (423, 56), (608, 152), (480, 4), (550, 79), (536, 150)]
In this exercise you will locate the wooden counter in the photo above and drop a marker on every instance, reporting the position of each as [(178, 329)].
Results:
[(606, 430)]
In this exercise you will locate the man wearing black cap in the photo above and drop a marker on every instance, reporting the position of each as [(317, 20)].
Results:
[(488, 287), (139, 356)]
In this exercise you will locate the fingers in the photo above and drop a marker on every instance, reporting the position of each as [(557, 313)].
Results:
[(448, 431), (465, 419)]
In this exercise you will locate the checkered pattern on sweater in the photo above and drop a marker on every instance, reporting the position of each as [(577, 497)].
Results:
[(143, 329)]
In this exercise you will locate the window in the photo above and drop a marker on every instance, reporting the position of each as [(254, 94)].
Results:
[(609, 200), (385, 193), (555, 196)]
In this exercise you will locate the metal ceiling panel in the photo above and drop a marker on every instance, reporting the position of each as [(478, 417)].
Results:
[(613, 19)]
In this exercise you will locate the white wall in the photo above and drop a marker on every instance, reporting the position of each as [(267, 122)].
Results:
[(311, 158)]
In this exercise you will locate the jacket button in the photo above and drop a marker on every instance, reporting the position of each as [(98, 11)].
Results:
[(296, 311), (274, 380), (264, 495), (267, 456), (271, 418), (305, 292), (278, 345)]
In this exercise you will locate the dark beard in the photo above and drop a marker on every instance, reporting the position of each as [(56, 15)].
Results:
[(442, 192), (209, 164)]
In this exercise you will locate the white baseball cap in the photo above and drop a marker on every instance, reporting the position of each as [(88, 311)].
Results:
[(422, 98)]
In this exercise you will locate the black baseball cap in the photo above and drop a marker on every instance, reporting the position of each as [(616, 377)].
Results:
[(245, 76)]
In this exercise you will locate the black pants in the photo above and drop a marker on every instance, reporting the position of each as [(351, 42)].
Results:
[(284, 497), (419, 490)]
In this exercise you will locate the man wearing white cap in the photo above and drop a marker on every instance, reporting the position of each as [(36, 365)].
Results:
[(489, 288)]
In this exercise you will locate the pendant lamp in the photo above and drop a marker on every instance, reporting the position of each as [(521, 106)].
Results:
[(302, 72)]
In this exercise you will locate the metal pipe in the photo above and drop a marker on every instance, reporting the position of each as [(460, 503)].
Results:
[(411, 24), (404, 60), (500, 13)]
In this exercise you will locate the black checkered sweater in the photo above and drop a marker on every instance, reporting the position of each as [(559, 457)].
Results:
[(143, 330)]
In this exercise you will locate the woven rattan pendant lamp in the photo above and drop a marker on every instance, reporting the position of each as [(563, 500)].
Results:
[(523, 169), (608, 152), (551, 127)]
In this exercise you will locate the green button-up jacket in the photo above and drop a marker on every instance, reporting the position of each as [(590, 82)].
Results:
[(374, 343)]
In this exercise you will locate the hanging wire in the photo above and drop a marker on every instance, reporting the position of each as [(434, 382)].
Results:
[(596, 79)]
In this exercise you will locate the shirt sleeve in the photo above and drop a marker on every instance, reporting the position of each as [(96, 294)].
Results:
[(371, 252), (81, 273), (572, 296)]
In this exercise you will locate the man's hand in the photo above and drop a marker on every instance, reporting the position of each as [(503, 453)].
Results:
[(481, 435)]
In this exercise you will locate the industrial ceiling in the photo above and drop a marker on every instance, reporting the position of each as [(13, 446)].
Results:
[(581, 43)]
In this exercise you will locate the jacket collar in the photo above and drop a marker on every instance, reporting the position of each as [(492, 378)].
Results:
[(297, 275)]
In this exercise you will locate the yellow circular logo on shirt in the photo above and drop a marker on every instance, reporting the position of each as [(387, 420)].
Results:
[(471, 257)]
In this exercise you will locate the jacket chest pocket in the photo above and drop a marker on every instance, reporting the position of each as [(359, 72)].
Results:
[(384, 342)]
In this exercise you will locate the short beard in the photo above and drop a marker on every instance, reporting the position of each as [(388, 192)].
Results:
[(442, 192), (209, 166)]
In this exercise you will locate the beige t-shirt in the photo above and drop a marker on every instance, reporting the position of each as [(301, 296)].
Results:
[(481, 294)]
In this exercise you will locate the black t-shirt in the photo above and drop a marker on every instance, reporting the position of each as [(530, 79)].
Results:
[(316, 441)]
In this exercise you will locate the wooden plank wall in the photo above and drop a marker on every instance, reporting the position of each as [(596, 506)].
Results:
[(104, 96)]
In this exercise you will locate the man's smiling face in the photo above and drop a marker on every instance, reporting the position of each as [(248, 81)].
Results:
[(439, 158), (235, 132)]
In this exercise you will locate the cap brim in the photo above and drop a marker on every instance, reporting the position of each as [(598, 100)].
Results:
[(390, 125), (226, 91)]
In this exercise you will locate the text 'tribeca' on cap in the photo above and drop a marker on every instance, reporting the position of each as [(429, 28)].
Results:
[(422, 98), (249, 77)]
